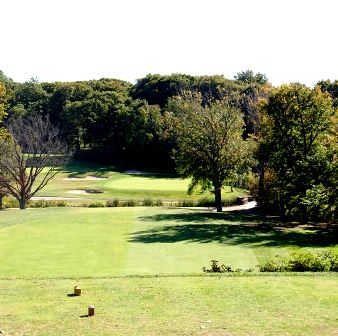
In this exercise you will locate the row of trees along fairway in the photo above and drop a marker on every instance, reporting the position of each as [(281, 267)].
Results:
[(31, 148), (210, 147)]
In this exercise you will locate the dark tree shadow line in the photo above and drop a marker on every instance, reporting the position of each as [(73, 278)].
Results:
[(234, 228)]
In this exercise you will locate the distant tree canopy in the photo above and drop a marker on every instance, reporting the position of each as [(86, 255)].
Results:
[(114, 121)]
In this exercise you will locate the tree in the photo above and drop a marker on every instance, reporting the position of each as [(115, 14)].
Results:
[(34, 150), (249, 76), (210, 147), (299, 153)]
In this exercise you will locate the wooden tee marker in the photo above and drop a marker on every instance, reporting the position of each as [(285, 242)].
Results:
[(91, 310), (77, 291)]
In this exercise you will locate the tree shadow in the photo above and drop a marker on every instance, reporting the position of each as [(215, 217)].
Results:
[(236, 228), (82, 168)]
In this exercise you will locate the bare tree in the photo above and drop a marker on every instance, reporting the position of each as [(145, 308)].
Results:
[(34, 150)]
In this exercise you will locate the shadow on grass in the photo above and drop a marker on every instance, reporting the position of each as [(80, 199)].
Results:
[(82, 168), (236, 228)]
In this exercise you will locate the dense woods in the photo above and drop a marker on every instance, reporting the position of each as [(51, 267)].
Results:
[(292, 130)]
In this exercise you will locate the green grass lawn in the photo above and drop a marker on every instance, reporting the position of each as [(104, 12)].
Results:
[(222, 306), (115, 183), (141, 268), (77, 242)]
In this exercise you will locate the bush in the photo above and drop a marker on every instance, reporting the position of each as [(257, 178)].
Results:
[(186, 203), (113, 203), (323, 261), (9, 202), (96, 205), (159, 202), (216, 268), (206, 202), (130, 203), (47, 203), (148, 202)]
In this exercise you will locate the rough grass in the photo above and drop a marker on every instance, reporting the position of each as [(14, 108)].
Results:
[(224, 306)]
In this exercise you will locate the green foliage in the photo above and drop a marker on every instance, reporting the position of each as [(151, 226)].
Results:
[(148, 202), (96, 205), (113, 203), (47, 203), (216, 268), (323, 261), (10, 202), (249, 76), (295, 145), (210, 147)]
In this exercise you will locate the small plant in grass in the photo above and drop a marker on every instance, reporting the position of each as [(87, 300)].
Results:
[(323, 261), (216, 268)]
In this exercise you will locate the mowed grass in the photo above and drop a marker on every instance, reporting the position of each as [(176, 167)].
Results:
[(79, 242), (117, 183), (141, 268), (223, 306)]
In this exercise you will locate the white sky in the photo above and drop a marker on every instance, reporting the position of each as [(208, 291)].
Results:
[(67, 40)]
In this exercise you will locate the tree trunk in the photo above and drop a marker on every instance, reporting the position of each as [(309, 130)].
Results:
[(218, 198), (260, 198), (1, 201), (22, 203), (304, 218), (282, 210)]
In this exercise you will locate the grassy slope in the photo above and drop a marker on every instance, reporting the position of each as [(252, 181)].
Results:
[(121, 185)]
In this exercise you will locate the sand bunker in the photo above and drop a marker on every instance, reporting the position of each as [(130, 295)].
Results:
[(86, 178), (53, 198), (84, 191)]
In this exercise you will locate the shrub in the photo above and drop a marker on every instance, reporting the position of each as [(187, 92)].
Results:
[(130, 203), (186, 203), (113, 203), (148, 202), (323, 261), (206, 202), (9, 202), (96, 205), (159, 202), (216, 268)]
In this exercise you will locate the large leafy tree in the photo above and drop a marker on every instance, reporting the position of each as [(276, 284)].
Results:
[(299, 121), (210, 147)]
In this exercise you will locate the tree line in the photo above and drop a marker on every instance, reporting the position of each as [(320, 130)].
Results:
[(280, 142)]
